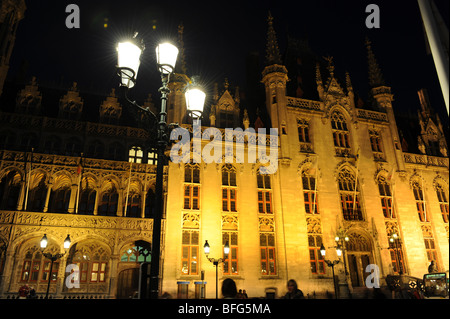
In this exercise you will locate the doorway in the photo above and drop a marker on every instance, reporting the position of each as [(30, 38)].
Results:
[(128, 283), (359, 256)]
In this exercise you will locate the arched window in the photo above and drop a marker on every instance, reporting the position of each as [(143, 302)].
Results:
[(28, 141), (7, 141), (109, 199), (116, 152), (92, 261), (135, 155), (265, 205), (152, 157), (96, 149), (384, 189), (87, 195), (52, 145), (191, 186), (442, 196), (310, 190), (133, 204), (229, 189), (73, 147), (420, 202), (341, 134), (37, 193), (140, 252), (59, 200), (10, 190), (350, 195), (36, 268)]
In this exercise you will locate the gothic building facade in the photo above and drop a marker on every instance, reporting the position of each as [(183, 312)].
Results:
[(342, 179)]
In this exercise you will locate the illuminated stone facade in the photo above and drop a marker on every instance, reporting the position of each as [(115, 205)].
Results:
[(341, 172)]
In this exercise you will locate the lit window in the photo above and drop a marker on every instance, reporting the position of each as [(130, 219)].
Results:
[(135, 155), (189, 253)]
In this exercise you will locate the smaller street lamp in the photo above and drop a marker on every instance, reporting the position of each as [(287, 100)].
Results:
[(195, 99), (332, 263), (226, 251), (53, 258)]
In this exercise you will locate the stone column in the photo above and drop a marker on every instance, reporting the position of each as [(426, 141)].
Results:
[(119, 203), (97, 197), (47, 198), (73, 196), (60, 281), (113, 274), (143, 200), (6, 276), (20, 200)]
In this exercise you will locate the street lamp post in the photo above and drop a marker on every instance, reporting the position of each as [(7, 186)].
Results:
[(53, 258), (396, 241), (332, 264), (226, 251), (129, 54)]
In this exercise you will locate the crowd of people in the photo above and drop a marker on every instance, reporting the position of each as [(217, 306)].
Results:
[(229, 290)]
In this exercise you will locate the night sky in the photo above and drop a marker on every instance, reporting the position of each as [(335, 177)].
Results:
[(218, 36)]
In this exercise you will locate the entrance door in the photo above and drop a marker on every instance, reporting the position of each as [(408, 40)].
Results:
[(128, 283), (359, 254), (365, 261), (353, 269)]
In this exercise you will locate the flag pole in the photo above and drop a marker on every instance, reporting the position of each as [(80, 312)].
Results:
[(391, 209), (28, 181), (128, 190), (424, 202), (356, 181), (315, 187), (80, 169)]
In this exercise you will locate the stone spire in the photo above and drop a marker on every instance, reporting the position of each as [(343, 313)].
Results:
[(348, 82), (272, 52), (181, 65), (375, 76)]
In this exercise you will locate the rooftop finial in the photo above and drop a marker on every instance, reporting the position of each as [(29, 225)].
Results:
[(329, 59), (375, 76), (181, 56), (272, 52)]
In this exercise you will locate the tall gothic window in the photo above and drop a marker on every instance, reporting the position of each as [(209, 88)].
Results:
[(309, 192), (386, 197), (87, 195), (191, 186), (37, 193), (341, 134), (109, 201), (264, 194), (229, 189), (59, 200), (92, 261), (133, 204), (316, 260), (10, 186), (230, 266), (443, 202), (430, 245), (36, 268), (350, 196), (376, 144), (420, 202), (189, 254), (268, 256)]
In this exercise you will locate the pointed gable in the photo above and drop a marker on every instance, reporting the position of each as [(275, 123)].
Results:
[(29, 99), (71, 104)]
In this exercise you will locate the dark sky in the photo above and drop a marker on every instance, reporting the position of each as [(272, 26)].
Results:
[(218, 36)]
